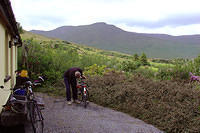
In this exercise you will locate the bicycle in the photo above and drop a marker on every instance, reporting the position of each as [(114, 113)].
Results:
[(36, 117), (23, 101), (35, 114), (82, 86)]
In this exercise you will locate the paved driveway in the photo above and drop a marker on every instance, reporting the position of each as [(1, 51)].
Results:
[(63, 118)]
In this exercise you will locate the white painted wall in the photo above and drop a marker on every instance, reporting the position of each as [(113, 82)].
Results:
[(10, 67)]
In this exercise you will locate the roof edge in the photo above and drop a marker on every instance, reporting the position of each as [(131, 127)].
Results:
[(11, 21)]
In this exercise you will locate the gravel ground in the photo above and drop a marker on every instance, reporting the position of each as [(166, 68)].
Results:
[(62, 118)]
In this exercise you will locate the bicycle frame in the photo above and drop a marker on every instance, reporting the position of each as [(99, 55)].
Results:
[(22, 101), (84, 91), (30, 107)]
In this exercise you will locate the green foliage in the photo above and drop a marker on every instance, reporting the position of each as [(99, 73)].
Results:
[(137, 95), (179, 61), (197, 65), (146, 71), (96, 70), (115, 54), (135, 57), (135, 63), (166, 61), (48, 61), (181, 72), (143, 59), (164, 73), (130, 66), (88, 60), (20, 29), (53, 58)]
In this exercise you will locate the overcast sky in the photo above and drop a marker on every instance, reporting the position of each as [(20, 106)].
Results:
[(174, 17)]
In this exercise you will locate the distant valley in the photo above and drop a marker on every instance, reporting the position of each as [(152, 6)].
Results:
[(110, 37)]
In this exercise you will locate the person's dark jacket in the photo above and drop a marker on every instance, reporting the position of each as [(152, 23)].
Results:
[(70, 75)]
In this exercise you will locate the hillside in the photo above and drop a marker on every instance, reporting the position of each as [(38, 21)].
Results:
[(161, 96), (110, 37), (28, 35), (82, 49)]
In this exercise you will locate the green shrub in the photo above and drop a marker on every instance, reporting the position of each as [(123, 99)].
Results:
[(164, 73), (96, 70), (53, 58), (143, 59), (146, 72), (130, 66)]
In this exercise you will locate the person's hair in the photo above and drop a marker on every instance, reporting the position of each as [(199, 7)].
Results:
[(77, 73)]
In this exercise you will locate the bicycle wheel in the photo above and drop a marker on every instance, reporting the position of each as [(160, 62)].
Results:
[(85, 98), (36, 118), (84, 101)]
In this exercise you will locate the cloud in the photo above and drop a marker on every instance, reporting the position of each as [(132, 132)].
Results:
[(50, 22), (171, 21), (179, 30), (143, 14)]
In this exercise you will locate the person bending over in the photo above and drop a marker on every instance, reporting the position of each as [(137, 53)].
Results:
[(70, 77)]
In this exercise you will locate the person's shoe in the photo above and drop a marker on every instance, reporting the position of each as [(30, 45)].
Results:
[(69, 102), (77, 101)]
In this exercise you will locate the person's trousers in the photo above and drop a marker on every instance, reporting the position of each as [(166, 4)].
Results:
[(68, 91)]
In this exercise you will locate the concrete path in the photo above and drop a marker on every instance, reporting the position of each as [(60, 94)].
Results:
[(63, 118)]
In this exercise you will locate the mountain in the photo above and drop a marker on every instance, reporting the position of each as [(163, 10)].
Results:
[(110, 37)]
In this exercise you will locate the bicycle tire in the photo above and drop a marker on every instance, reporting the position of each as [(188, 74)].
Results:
[(85, 98), (84, 101), (88, 95), (36, 118)]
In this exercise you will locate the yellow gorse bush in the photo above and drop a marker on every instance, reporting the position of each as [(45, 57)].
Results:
[(96, 70)]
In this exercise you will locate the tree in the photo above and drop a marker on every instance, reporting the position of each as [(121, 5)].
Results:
[(135, 57), (20, 29), (143, 59)]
